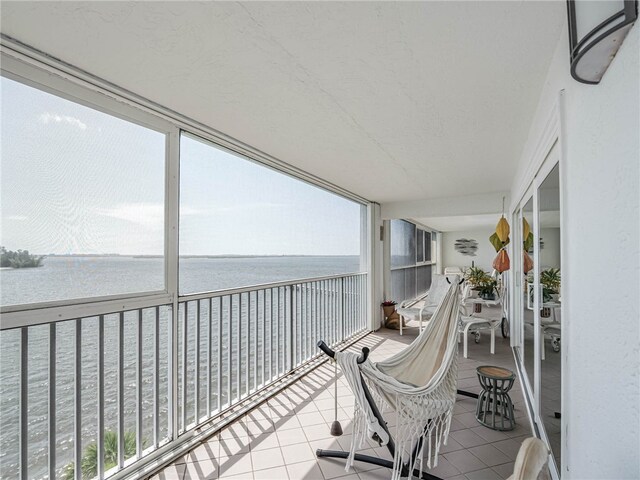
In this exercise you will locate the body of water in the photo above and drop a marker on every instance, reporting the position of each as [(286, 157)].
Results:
[(64, 278)]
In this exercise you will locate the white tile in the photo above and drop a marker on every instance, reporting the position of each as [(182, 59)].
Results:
[(467, 438), (330, 443), (305, 471), (505, 470), (489, 434), (508, 447), (234, 446), (204, 451), (308, 419), (306, 407), (317, 432), (264, 442), (234, 466), (291, 437), (485, 474), (327, 404), (205, 470), (257, 427), (464, 461), (376, 474), (333, 468), (444, 468), (300, 452), (236, 430), (490, 455), (263, 459), (278, 473), (172, 472)]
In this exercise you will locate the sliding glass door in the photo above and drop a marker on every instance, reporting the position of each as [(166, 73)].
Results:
[(550, 298), (537, 285)]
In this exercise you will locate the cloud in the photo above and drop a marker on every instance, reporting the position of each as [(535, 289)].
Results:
[(17, 218), (47, 118), (148, 215), (247, 206)]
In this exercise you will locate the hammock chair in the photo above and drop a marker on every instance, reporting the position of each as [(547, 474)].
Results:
[(419, 383)]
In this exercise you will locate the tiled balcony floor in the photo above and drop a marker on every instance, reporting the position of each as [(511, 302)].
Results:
[(278, 440)]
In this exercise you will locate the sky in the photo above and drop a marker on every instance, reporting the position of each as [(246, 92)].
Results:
[(78, 181)]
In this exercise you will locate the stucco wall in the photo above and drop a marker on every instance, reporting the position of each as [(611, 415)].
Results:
[(484, 255), (600, 261)]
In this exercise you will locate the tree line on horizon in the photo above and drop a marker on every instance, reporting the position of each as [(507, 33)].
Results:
[(19, 259)]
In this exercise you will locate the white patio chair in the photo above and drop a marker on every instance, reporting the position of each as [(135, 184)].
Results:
[(430, 302), (532, 461)]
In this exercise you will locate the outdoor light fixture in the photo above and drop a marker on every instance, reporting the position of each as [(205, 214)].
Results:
[(596, 31)]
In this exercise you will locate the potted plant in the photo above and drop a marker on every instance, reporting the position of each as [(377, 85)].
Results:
[(388, 306), (487, 287), (475, 276), (550, 281), (483, 283)]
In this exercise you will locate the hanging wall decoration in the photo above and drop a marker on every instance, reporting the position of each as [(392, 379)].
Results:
[(466, 246), (527, 244), (499, 240)]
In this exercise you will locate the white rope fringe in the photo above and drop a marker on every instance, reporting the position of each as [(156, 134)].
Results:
[(424, 407)]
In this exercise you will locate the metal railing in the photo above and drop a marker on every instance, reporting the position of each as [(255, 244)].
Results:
[(109, 382)]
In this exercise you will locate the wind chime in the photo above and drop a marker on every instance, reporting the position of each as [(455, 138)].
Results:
[(500, 240)]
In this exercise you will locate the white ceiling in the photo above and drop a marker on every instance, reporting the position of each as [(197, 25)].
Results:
[(460, 222), (392, 101)]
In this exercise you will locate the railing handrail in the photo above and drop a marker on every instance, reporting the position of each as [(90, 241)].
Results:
[(262, 286), (261, 340)]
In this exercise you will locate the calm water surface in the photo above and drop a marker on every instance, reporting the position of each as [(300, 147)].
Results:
[(63, 278)]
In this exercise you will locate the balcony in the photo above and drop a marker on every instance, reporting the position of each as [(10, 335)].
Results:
[(278, 438)]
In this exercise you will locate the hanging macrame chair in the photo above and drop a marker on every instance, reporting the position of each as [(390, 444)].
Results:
[(419, 384)]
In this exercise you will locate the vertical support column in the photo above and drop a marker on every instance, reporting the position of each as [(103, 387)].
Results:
[(209, 341), (342, 309), (230, 352), (139, 387), (196, 370), (156, 379), (263, 321), (24, 403), (219, 374), (255, 342), (100, 413), (386, 260), (238, 368), (77, 424), (52, 400), (171, 223), (184, 382), (438, 254), (247, 365), (120, 392)]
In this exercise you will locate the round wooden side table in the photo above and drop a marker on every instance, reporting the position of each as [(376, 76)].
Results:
[(495, 408)]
